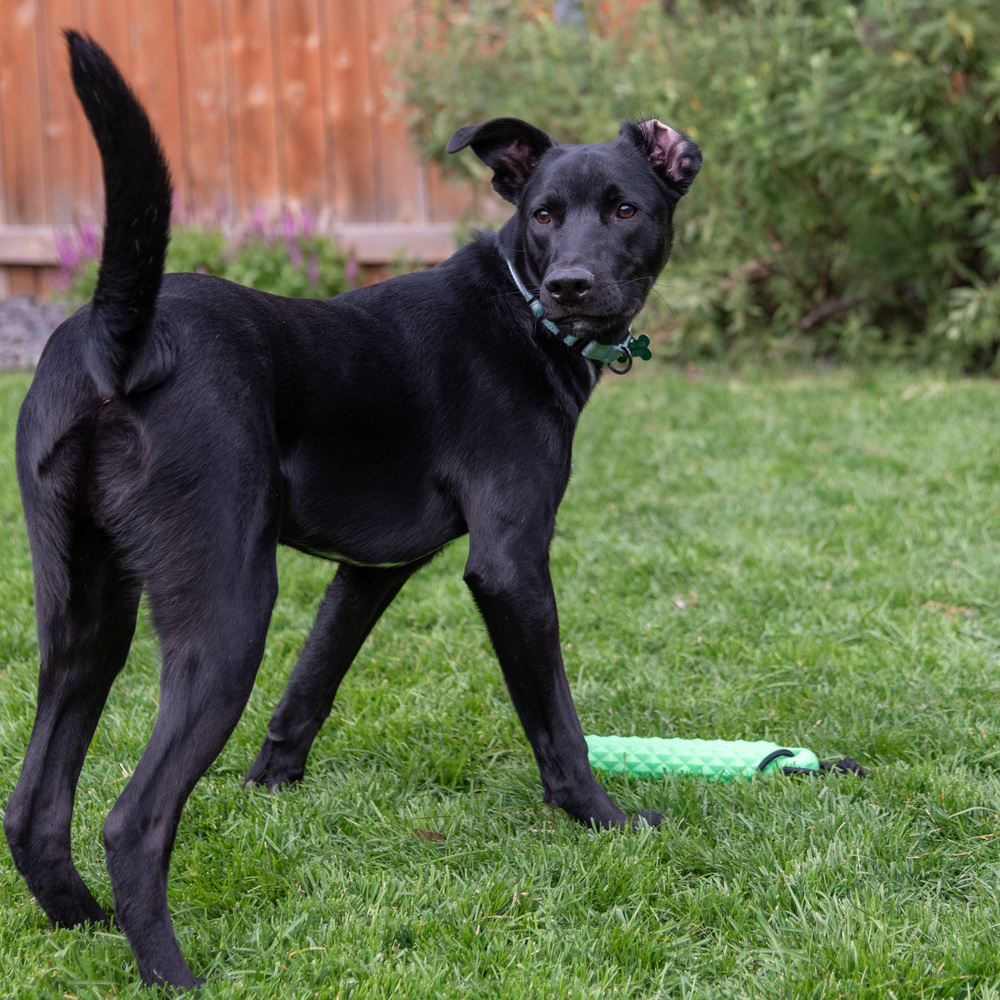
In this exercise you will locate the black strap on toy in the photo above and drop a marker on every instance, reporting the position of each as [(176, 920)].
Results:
[(846, 765)]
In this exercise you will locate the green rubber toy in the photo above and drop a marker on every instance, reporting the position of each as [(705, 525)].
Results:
[(651, 757)]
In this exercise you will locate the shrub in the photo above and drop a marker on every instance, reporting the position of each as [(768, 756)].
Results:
[(285, 256), (852, 153)]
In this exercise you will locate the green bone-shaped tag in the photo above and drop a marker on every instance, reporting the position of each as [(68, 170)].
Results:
[(639, 348)]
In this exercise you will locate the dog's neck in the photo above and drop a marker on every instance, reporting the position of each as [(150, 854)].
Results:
[(612, 355)]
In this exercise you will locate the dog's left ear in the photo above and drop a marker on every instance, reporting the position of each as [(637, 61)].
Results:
[(510, 147), (672, 155)]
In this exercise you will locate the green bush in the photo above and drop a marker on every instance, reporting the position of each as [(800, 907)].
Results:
[(285, 257), (846, 206)]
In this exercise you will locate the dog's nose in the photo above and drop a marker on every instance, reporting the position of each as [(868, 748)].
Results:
[(569, 284)]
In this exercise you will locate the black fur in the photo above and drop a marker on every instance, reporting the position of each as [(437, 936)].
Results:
[(179, 428)]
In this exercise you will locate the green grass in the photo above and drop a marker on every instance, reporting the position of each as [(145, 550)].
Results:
[(809, 560)]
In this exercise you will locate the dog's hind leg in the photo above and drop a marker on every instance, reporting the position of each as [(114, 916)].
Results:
[(353, 603), (212, 627), (86, 609)]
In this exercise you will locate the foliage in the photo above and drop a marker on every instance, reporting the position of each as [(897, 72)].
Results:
[(811, 561), (286, 257), (852, 155)]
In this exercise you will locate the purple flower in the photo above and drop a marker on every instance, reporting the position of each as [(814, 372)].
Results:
[(313, 270), (90, 242), (69, 257)]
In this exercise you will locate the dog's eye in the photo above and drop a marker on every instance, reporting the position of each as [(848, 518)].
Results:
[(626, 211), (543, 216)]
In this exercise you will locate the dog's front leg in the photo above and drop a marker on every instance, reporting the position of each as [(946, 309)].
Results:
[(515, 597)]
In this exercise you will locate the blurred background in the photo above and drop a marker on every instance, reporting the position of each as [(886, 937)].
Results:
[(846, 210)]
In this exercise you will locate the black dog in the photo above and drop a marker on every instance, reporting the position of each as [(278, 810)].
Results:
[(180, 427)]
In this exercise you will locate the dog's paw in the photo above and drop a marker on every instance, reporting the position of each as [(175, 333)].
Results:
[(271, 770), (649, 817), (85, 913), (166, 989), (626, 822)]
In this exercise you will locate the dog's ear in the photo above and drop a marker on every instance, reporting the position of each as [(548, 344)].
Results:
[(510, 147), (672, 155)]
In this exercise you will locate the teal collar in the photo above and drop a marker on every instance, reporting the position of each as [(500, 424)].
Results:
[(608, 354)]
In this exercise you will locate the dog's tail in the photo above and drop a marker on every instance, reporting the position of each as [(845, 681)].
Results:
[(138, 194)]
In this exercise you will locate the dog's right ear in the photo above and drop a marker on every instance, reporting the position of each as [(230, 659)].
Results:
[(672, 155), (510, 147)]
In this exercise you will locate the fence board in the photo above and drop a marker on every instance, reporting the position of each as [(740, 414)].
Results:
[(155, 77), (252, 106), (400, 183), (206, 163), (300, 105), (67, 138), (20, 89), (23, 164), (350, 112)]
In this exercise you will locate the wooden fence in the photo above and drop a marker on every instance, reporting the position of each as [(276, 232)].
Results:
[(260, 104)]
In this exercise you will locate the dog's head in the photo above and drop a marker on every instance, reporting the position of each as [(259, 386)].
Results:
[(593, 227)]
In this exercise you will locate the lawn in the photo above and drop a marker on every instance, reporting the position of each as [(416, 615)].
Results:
[(810, 560)]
